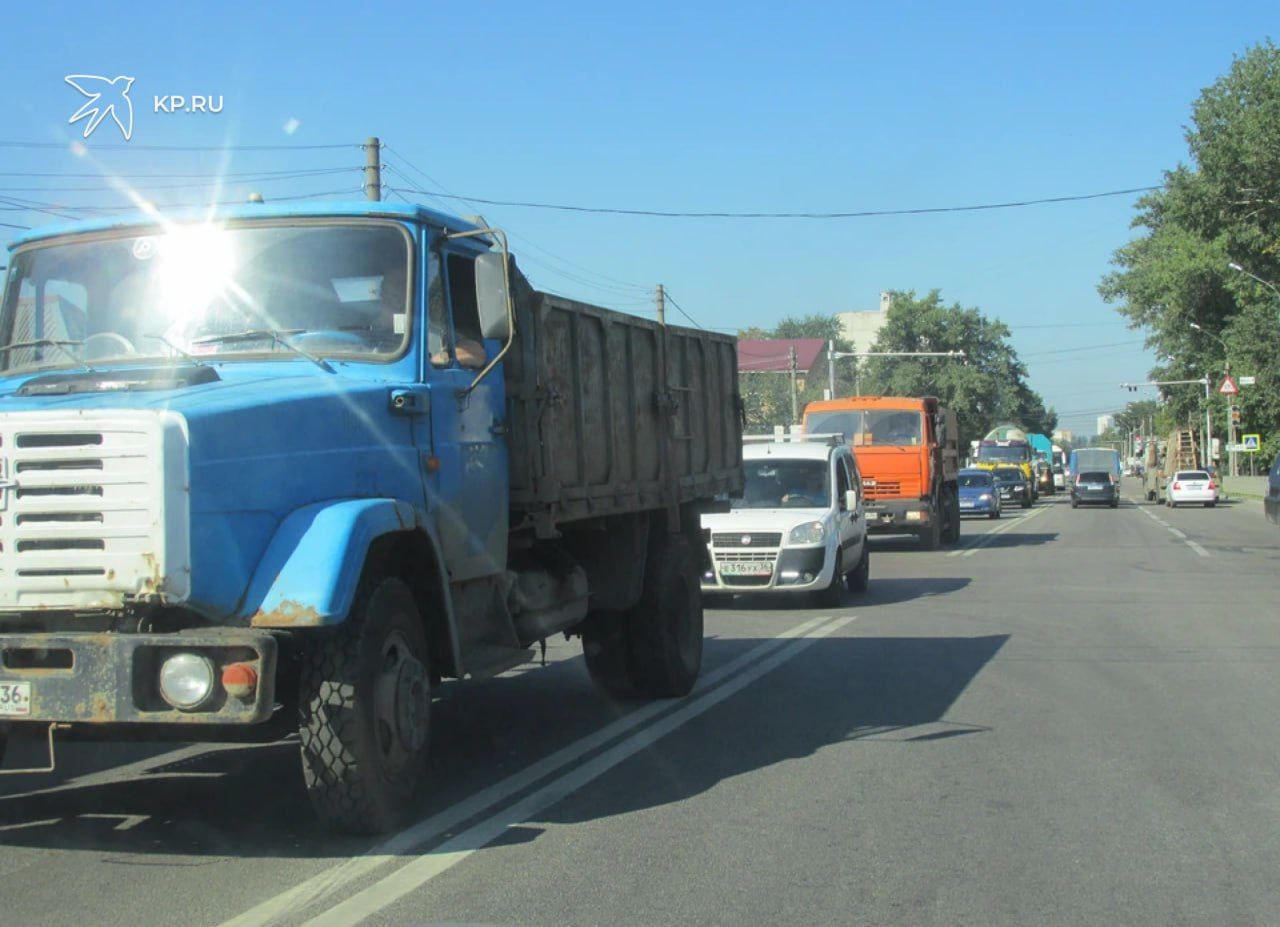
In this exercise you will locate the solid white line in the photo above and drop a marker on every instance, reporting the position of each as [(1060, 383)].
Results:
[(399, 845), (1178, 533), (415, 874), (985, 539), (1197, 548)]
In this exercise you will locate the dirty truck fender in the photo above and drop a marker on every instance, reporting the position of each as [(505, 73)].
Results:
[(309, 573)]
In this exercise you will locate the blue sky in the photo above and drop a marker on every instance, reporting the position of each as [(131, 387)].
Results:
[(683, 106)]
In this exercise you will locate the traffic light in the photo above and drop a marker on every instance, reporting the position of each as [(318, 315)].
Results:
[(1235, 416)]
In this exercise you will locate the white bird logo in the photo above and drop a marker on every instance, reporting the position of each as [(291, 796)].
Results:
[(107, 97)]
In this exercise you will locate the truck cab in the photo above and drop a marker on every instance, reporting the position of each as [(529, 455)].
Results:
[(907, 451), (286, 468)]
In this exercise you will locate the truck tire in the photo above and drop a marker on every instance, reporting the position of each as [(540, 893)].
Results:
[(953, 517), (604, 650), (931, 534), (664, 630), (833, 595), (860, 579), (1026, 500), (365, 710), (1151, 495)]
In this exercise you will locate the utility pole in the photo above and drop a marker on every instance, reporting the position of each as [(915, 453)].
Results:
[(795, 395), (660, 303), (1208, 424), (372, 168), (831, 370)]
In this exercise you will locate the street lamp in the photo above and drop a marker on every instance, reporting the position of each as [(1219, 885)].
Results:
[(1267, 283), (833, 355)]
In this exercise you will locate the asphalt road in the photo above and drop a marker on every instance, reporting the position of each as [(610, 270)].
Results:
[(1072, 718)]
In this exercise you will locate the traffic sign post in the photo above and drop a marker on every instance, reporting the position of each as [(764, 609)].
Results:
[(1228, 387)]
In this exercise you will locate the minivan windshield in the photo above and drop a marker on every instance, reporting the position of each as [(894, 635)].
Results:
[(773, 484), (323, 287)]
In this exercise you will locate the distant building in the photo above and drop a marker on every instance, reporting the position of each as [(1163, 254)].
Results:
[(1106, 423), (861, 328), (1063, 436)]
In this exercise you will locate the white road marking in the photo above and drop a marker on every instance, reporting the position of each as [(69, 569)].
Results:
[(403, 843), (982, 540), (416, 873), (1176, 532)]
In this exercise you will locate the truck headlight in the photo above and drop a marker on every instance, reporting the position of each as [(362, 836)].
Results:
[(186, 680), (811, 532)]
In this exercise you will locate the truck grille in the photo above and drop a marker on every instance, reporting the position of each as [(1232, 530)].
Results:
[(93, 509), (754, 539), (883, 489)]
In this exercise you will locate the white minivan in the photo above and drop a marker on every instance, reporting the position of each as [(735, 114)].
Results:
[(799, 526)]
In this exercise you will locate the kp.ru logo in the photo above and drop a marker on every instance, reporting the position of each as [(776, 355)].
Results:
[(107, 97)]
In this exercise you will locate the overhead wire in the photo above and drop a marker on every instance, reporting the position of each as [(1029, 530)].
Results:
[(856, 214)]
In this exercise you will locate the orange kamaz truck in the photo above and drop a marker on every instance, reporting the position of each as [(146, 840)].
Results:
[(908, 454)]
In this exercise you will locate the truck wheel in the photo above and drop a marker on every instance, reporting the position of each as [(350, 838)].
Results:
[(858, 581), (604, 650), (953, 517), (1151, 495), (833, 595), (365, 711), (931, 536), (664, 630)]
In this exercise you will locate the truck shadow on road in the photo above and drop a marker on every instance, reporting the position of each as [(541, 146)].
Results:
[(838, 693), (1015, 539)]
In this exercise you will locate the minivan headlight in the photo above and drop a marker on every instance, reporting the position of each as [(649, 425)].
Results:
[(811, 532)]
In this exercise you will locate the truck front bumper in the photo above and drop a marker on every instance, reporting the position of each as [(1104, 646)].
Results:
[(105, 678), (897, 516)]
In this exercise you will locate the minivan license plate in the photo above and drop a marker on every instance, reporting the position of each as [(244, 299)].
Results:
[(747, 568)]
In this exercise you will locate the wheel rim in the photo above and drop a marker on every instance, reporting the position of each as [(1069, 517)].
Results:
[(401, 706)]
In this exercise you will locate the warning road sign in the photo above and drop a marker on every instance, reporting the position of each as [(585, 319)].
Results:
[(1228, 387), (1252, 443)]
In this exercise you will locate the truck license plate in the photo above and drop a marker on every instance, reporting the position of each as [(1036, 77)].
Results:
[(15, 699), (747, 568)]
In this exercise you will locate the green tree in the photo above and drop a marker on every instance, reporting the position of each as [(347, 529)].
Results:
[(988, 387), (1222, 207)]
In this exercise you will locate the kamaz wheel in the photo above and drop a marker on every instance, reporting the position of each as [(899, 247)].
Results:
[(365, 711), (952, 534), (931, 534)]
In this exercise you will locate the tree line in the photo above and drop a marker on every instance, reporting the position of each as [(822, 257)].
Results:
[(987, 387)]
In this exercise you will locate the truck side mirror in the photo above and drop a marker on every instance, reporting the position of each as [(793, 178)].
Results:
[(491, 296), (850, 500)]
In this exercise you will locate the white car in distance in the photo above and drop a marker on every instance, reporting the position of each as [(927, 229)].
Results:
[(799, 526), (1191, 486)]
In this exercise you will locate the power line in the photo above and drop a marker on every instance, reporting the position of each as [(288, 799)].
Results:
[(207, 181), (655, 213), (680, 309), (10, 225), (132, 147), (564, 260), (239, 175), (1090, 347)]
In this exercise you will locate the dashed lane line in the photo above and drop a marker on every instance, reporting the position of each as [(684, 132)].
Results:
[(1176, 532)]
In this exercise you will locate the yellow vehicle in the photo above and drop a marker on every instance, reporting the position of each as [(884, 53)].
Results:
[(1008, 446)]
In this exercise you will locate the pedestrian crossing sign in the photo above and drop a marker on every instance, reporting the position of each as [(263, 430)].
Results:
[(1252, 443)]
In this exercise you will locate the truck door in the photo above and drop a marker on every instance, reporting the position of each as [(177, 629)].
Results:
[(467, 482)]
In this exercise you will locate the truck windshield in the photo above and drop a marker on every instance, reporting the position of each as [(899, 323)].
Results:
[(869, 427), (776, 484), (1015, 454), (321, 288)]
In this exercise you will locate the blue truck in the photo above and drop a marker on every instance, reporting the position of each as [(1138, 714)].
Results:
[(286, 469)]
